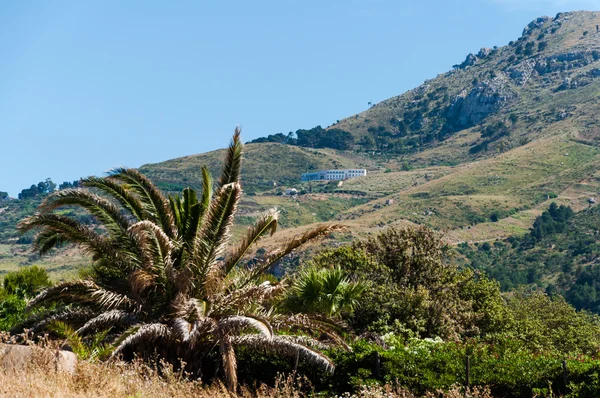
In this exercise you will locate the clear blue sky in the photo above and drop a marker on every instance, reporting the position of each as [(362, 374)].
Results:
[(89, 85)]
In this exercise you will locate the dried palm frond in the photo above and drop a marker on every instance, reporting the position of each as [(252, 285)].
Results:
[(237, 323), (147, 334), (84, 291), (280, 345), (39, 322), (229, 361), (140, 281), (106, 320)]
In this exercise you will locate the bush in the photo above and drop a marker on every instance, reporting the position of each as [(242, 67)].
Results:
[(430, 365), (26, 281), (12, 311)]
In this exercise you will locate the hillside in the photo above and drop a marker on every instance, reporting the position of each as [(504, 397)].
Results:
[(266, 166), (478, 152), (559, 255)]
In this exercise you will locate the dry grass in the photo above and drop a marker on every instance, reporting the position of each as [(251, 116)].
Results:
[(137, 380), (116, 379)]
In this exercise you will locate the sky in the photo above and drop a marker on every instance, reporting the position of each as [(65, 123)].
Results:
[(86, 86)]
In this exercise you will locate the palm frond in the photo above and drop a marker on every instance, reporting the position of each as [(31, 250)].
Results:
[(329, 327), (118, 191), (156, 206), (207, 189), (196, 210), (40, 322), (162, 246), (107, 320), (233, 160), (229, 361), (47, 240), (83, 291), (64, 229), (194, 332), (289, 246), (104, 210), (215, 232), (140, 281), (306, 341), (146, 334), (177, 210), (254, 294), (235, 324), (279, 345), (267, 224)]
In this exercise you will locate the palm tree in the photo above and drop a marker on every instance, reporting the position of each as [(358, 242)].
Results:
[(165, 277), (324, 291)]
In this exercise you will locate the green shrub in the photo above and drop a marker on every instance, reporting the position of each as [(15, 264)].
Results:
[(428, 365), (26, 281), (12, 310)]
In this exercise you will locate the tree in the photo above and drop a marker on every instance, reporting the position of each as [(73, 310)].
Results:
[(549, 323), (30, 192), (413, 288), (163, 277), (336, 139), (3, 195), (309, 138)]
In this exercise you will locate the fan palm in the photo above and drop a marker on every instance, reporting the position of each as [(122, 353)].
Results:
[(326, 291), (166, 278)]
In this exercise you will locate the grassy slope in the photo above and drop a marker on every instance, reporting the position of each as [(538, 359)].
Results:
[(263, 165)]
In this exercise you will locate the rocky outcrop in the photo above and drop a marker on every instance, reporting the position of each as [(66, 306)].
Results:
[(520, 74), (471, 107), (581, 80), (15, 357), (566, 61), (537, 23), (472, 59)]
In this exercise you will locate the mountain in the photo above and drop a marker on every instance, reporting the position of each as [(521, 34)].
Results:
[(478, 152)]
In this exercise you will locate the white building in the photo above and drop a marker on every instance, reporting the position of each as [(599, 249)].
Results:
[(335, 175)]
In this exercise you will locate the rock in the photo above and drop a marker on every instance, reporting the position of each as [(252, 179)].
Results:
[(522, 72), (469, 61), (487, 97), (535, 24), (484, 52), (15, 357), (566, 61)]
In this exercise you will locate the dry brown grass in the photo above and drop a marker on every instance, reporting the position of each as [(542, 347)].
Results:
[(135, 380), (40, 379)]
